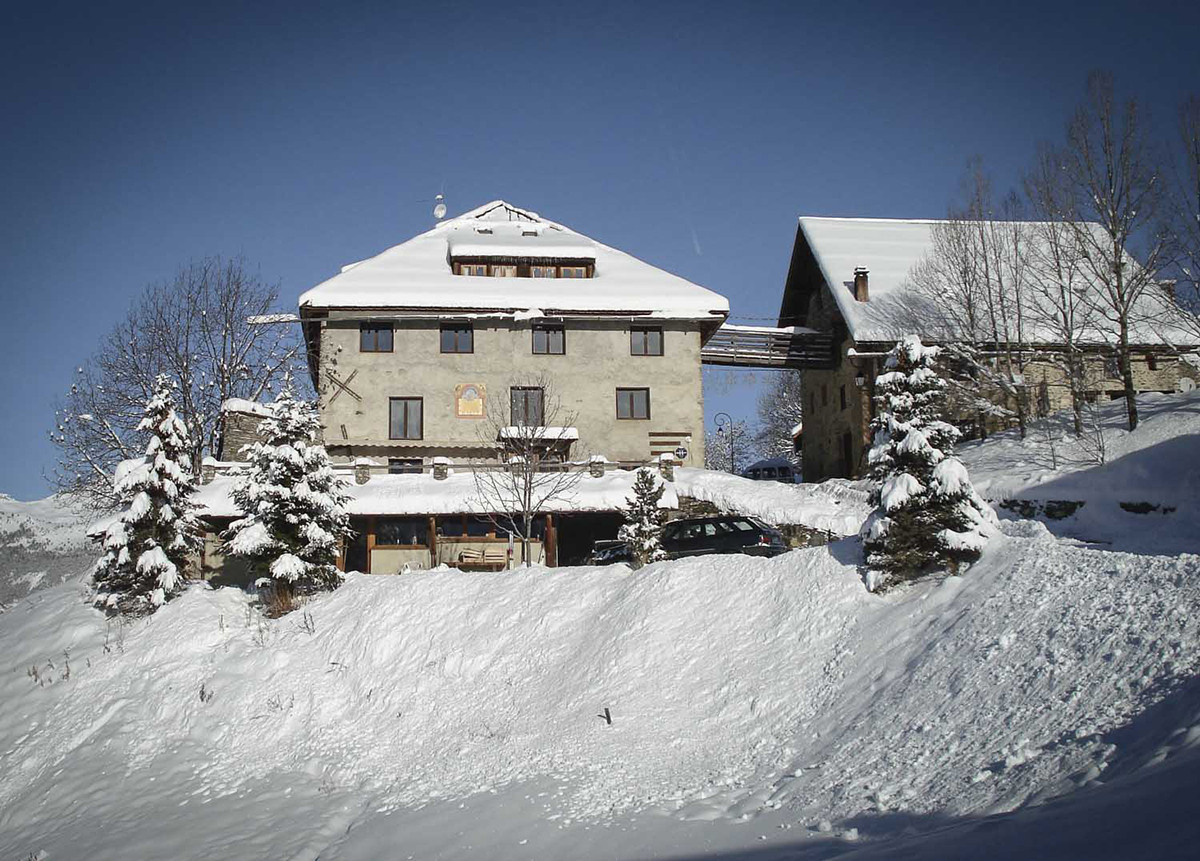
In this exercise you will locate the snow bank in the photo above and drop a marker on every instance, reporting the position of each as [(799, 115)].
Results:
[(1155, 468), (834, 506), (737, 686), (42, 543)]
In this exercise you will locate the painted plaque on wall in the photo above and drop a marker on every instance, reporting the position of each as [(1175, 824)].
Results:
[(469, 400)]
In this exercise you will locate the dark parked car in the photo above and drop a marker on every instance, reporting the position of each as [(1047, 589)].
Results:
[(701, 536)]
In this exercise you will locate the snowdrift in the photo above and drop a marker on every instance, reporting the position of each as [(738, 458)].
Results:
[(836, 506), (736, 685), (1140, 490), (42, 543)]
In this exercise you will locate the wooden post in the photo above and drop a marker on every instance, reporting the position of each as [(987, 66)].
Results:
[(432, 541), (370, 542), (551, 542)]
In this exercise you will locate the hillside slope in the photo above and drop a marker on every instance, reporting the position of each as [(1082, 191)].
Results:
[(42, 544), (740, 689)]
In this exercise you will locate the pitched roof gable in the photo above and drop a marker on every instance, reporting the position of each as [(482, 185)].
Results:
[(417, 274), (889, 248)]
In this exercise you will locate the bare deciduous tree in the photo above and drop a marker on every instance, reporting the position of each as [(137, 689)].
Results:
[(528, 438), (971, 294), (1062, 306), (1185, 215), (198, 329), (1113, 182), (780, 411)]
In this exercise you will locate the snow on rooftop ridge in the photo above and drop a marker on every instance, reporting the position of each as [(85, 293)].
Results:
[(889, 248), (242, 405), (416, 274)]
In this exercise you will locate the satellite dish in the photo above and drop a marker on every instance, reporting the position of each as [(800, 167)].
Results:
[(439, 208), (1186, 384)]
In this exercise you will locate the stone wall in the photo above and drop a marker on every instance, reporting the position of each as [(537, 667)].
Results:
[(597, 361)]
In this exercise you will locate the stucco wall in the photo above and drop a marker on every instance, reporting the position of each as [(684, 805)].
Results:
[(585, 379)]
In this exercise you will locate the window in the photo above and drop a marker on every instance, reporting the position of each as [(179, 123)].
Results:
[(842, 393), (824, 395), (646, 341), (549, 339), (458, 338), (633, 403), (404, 465), (375, 337), (526, 406), (472, 269), (1151, 362), (402, 531), (812, 402), (504, 271), (405, 419), (543, 271), (573, 272)]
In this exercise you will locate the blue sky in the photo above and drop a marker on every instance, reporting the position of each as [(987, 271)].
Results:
[(690, 135)]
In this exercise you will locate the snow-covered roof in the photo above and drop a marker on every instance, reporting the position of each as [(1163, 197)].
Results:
[(529, 433), (241, 405), (421, 493), (889, 248), (417, 274)]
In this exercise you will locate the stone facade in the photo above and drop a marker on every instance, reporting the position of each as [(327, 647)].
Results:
[(597, 361)]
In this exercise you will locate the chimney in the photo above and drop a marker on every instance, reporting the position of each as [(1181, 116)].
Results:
[(860, 283)]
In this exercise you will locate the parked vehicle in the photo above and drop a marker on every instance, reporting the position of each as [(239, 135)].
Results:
[(701, 536), (609, 553), (730, 534), (774, 469)]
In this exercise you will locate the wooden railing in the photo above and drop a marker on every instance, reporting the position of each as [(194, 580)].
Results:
[(767, 347)]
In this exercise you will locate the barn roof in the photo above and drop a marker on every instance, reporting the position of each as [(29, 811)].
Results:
[(889, 248)]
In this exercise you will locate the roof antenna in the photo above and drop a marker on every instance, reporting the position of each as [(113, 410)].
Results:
[(439, 207)]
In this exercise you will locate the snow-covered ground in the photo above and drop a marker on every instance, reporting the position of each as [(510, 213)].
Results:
[(773, 693), (1156, 466), (42, 544), (1045, 704), (836, 506)]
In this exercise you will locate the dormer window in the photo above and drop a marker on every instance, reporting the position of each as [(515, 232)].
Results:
[(523, 267)]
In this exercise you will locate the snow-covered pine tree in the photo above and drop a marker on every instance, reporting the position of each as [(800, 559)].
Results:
[(294, 504), (644, 520), (928, 515), (146, 549)]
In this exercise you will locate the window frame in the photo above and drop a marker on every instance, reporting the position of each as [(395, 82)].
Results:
[(375, 329), (406, 399), (632, 417), (457, 329), (548, 328), (646, 330), (525, 392), (549, 270), (463, 267)]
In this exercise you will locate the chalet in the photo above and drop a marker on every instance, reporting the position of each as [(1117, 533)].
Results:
[(849, 278), (428, 355)]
